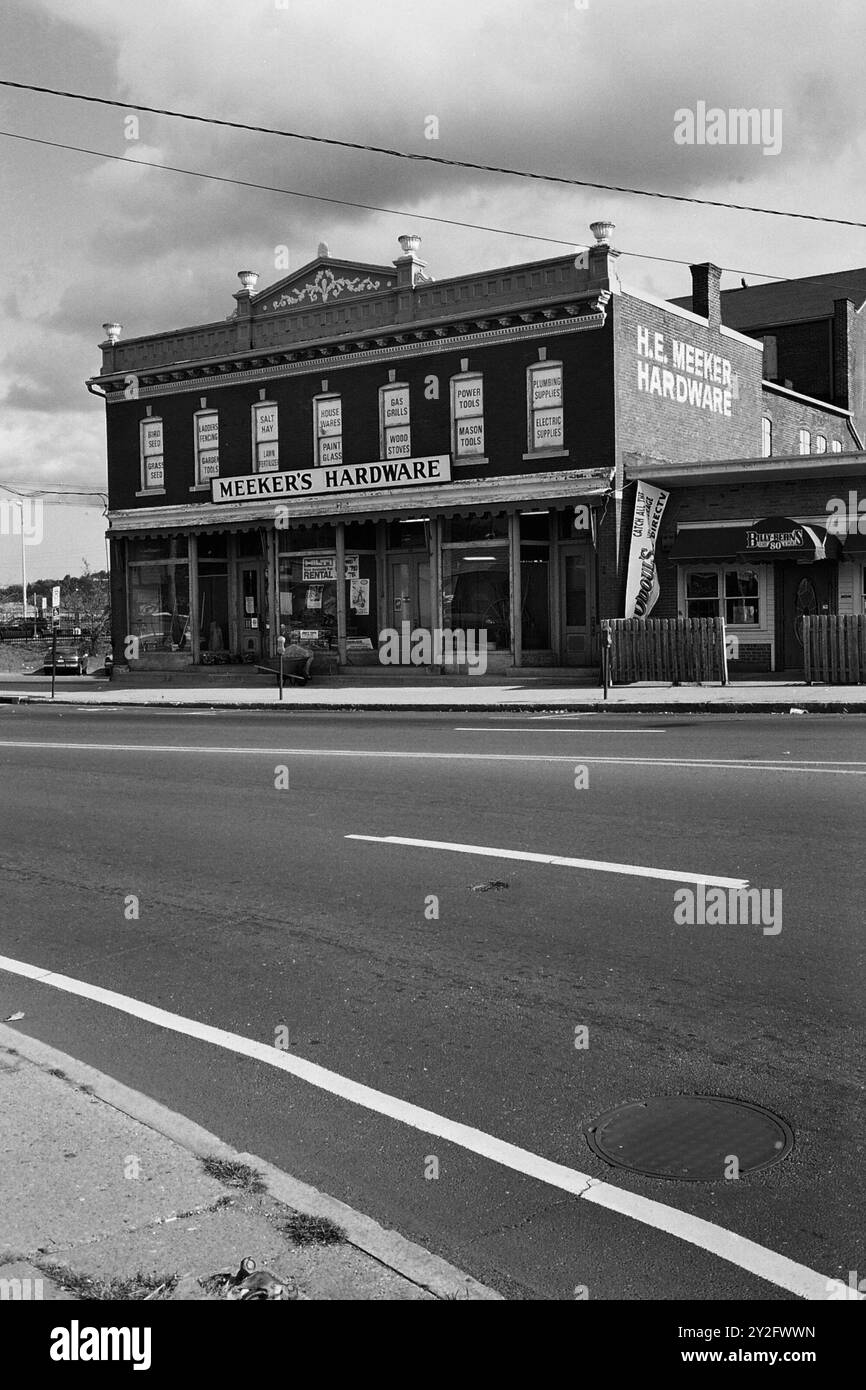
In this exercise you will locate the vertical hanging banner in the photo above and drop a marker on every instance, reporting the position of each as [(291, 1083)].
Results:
[(642, 585)]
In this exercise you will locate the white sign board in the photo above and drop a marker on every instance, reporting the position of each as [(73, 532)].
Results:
[(349, 478)]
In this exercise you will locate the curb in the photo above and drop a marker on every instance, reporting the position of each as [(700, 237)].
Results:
[(553, 707), (389, 1248)]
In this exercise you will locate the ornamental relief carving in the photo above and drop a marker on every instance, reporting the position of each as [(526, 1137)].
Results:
[(326, 285)]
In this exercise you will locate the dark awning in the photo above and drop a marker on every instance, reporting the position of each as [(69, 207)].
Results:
[(772, 538), (708, 543), (854, 546)]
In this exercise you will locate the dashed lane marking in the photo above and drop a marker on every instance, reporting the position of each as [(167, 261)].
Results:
[(557, 860)]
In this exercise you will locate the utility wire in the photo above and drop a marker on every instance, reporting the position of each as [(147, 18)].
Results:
[(367, 207), (428, 158)]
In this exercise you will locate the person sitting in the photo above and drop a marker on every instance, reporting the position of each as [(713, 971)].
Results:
[(297, 659)]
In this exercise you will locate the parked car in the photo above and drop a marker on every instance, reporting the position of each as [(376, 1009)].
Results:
[(71, 659)]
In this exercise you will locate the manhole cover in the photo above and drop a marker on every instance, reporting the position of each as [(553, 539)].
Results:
[(692, 1138)]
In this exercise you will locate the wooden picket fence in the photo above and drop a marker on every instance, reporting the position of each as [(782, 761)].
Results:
[(834, 647), (668, 649)]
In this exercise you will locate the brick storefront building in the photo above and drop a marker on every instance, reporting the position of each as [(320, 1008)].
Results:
[(360, 446)]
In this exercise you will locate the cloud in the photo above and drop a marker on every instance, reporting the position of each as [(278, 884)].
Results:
[(589, 94)]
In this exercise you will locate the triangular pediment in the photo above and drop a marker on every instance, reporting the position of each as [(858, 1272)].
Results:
[(322, 281)]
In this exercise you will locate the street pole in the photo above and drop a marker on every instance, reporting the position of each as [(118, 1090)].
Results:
[(281, 647), (23, 569), (53, 655)]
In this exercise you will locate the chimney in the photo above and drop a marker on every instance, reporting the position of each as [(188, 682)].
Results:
[(706, 301)]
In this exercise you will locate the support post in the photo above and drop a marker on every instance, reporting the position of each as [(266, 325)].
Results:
[(194, 615), (515, 600), (342, 652)]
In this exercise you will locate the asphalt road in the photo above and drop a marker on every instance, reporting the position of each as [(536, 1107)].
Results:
[(256, 913)]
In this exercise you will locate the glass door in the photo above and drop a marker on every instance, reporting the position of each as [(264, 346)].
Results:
[(252, 619), (576, 645), (409, 591)]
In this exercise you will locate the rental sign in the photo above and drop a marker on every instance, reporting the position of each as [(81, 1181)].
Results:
[(343, 478)]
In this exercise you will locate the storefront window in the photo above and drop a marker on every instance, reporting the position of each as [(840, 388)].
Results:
[(308, 600), (534, 600), (702, 594), (739, 589), (741, 597), (159, 606), (462, 529), (308, 605), (213, 593), (476, 594)]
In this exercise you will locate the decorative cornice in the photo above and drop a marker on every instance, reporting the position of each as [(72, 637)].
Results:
[(312, 362), (325, 285)]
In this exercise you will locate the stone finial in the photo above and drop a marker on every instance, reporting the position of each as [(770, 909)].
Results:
[(602, 231)]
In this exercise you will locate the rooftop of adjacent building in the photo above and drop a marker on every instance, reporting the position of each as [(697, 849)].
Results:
[(788, 301)]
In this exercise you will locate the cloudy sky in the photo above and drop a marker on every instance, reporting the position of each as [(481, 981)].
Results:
[(586, 89)]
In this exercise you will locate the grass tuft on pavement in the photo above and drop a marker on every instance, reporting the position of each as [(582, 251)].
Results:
[(303, 1229), (234, 1174), (138, 1286)]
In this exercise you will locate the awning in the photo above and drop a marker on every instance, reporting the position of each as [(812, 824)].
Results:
[(772, 538), (478, 495), (854, 546)]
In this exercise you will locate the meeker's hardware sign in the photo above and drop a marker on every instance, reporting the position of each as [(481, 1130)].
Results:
[(312, 482)]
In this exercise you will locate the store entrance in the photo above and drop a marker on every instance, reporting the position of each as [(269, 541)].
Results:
[(576, 605), (806, 589), (409, 590), (253, 602)]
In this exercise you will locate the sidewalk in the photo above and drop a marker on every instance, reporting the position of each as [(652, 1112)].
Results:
[(778, 697), (106, 1194)]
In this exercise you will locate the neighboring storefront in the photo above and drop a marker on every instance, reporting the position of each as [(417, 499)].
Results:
[(762, 576)]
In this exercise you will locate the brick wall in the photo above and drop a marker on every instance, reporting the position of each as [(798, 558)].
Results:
[(789, 416), (588, 415)]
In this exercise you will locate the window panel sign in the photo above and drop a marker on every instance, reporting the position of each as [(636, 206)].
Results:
[(151, 437), (547, 429), (468, 397), (331, 449), (154, 472), (207, 445), (547, 388), (266, 422), (397, 443), (470, 437), (329, 416), (395, 405), (208, 431), (269, 457)]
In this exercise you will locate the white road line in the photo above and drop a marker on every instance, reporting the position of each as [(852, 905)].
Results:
[(493, 729), (841, 767), (560, 860), (802, 766), (727, 1245)]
